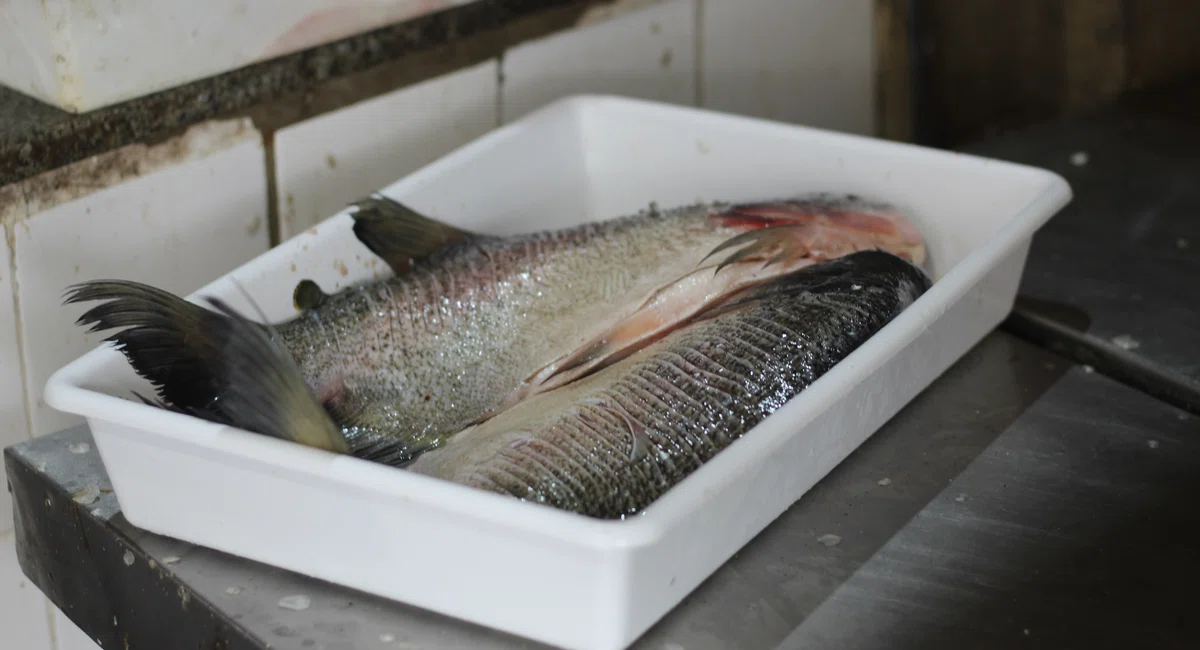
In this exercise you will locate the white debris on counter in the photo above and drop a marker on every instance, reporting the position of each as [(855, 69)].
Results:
[(79, 447), (885, 481), (128, 558), (1153, 444), (1126, 342), (171, 559), (233, 591), (87, 495), (962, 497), (830, 540), (296, 603)]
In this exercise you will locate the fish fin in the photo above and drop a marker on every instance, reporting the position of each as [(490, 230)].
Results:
[(164, 337), (844, 274), (264, 390), (668, 308), (820, 226), (308, 295), (399, 234)]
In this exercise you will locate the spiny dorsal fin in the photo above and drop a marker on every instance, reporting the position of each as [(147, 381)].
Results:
[(307, 295), (399, 234)]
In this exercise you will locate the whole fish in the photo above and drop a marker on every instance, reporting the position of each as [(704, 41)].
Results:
[(471, 324), (609, 444)]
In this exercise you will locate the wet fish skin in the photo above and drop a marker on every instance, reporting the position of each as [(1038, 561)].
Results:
[(612, 443), (462, 334), (468, 331)]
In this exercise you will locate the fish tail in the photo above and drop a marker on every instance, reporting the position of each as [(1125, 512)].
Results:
[(163, 336), (214, 365), (265, 391)]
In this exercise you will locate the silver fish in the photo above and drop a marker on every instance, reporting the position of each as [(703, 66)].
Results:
[(471, 325), (610, 444)]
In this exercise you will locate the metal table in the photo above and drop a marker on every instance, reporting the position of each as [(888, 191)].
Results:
[(1023, 500)]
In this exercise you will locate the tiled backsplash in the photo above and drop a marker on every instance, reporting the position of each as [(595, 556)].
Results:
[(648, 54), (322, 164), (201, 208)]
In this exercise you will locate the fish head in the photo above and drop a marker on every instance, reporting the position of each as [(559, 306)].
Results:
[(824, 227)]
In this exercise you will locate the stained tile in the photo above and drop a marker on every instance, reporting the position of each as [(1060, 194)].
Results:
[(324, 163), (178, 227), (648, 54), (801, 61)]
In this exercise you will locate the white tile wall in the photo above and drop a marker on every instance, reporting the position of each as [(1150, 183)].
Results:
[(326, 162), (23, 622), (13, 424), (68, 635), (648, 53), (802, 61), (177, 228)]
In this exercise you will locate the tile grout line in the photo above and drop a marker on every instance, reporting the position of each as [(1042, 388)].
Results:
[(499, 117), (10, 234), (698, 53)]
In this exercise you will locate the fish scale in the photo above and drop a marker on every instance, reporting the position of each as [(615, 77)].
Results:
[(693, 393), (470, 325)]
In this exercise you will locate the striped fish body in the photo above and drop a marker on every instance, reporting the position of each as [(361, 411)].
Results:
[(607, 446)]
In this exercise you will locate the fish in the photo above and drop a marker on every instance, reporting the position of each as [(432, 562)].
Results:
[(469, 324), (608, 445)]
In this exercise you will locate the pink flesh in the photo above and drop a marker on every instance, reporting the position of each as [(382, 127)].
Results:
[(794, 235)]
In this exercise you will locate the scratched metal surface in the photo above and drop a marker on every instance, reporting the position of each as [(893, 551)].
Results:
[(150, 586), (1076, 528), (1127, 249)]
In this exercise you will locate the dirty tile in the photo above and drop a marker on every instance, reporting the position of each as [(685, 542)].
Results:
[(178, 227), (22, 606), (801, 61), (648, 53), (14, 427), (324, 163), (69, 636)]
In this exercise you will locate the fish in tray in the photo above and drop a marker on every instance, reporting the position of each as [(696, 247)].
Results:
[(469, 324), (610, 443)]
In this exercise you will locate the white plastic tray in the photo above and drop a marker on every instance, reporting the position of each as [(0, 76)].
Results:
[(527, 569)]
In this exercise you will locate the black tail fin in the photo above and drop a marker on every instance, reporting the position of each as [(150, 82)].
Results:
[(399, 234), (212, 364), (264, 389), (164, 337)]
